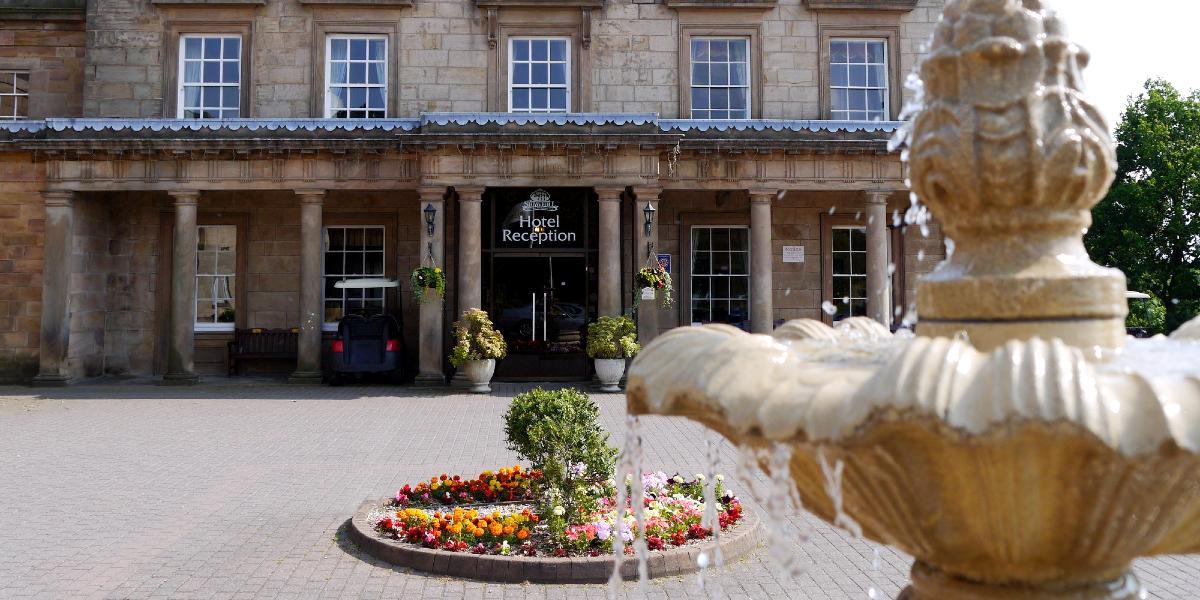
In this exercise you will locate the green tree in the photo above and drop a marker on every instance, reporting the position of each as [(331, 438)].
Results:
[(1149, 224)]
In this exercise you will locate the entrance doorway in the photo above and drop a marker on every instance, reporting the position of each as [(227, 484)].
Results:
[(539, 280)]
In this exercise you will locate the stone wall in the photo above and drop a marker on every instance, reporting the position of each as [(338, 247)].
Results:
[(444, 57), (22, 218), (52, 51)]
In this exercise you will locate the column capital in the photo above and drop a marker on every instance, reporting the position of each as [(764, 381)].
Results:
[(653, 193), (469, 193), (432, 193), (184, 197), (58, 198), (310, 196), (877, 196), (610, 194), (764, 196)]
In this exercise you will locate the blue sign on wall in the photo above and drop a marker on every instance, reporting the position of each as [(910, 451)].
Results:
[(664, 261)]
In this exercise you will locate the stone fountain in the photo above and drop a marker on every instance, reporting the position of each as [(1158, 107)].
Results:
[(1020, 446)]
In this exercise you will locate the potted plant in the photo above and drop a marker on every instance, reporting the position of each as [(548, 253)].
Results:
[(657, 280), (611, 340), (477, 345), (427, 279)]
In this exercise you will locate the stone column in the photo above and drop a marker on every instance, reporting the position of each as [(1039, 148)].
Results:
[(762, 257), (879, 292), (181, 366), (312, 313), (608, 296), (645, 247), (58, 262), (470, 247), (433, 253)]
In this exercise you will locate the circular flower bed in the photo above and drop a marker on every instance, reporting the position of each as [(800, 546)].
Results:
[(455, 526)]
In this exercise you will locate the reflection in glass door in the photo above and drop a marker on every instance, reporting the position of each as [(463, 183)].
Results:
[(539, 303)]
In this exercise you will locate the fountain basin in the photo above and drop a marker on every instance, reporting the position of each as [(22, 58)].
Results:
[(1025, 471)]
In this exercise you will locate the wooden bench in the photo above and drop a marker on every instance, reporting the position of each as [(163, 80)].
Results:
[(261, 343)]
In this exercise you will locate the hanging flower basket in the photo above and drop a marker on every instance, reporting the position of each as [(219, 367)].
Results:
[(656, 278), (428, 278)]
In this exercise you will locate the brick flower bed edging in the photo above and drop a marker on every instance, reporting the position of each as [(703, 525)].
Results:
[(737, 541)]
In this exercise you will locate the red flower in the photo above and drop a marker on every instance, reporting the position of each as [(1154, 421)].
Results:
[(654, 542), (698, 531), (678, 538)]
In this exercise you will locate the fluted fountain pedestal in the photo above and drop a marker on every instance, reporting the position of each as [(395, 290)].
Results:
[(928, 582)]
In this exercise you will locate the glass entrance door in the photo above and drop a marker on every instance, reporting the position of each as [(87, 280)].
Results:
[(540, 304)]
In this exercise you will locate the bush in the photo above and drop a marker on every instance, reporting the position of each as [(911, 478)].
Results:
[(612, 337), (1147, 313), (476, 339), (558, 433)]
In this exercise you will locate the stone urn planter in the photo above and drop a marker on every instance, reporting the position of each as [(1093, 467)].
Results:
[(609, 371), (479, 373)]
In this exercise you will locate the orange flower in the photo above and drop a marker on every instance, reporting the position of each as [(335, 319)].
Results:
[(522, 533), (509, 529), (497, 529)]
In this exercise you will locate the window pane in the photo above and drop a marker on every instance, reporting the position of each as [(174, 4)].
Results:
[(212, 72), (718, 98), (841, 288), (719, 74), (718, 50), (699, 73), (858, 238), (858, 75), (700, 239), (558, 99), (373, 237), (737, 285), (520, 50), (378, 50), (857, 51), (737, 74), (537, 98), (720, 238), (539, 49), (875, 52), (521, 73), (337, 48), (700, 312), (737, 50), (230, 72), (702, 262), (191, 71), (858, 99), (699, 98), (229, 97), (211, 97), (539, 73), (841, 239), (375, 98), (737, 98), (212, 47), (232, 48), (558, 74), (700, 287), (358, 98), (358, 73), (841, 262), (699, 50), (520, 99), (839, 75), (205, 312), (875, 100), (358, 49), (720, 262), (191, 47), (558, 50), (737, 263), (354, 239), (739, 239)]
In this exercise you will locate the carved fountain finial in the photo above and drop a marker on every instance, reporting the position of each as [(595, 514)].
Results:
[(1011, 158)]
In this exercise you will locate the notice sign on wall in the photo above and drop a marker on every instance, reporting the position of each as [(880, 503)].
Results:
[(664, 261), (793, 254)]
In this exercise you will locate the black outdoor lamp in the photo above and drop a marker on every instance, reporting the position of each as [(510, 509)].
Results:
[(430, 213), (649, 211)]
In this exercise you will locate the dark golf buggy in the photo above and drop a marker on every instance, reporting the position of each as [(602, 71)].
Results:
[(367, 343)]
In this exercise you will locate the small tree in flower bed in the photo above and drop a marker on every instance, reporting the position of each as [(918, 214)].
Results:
[(559, 432), (508, 484)]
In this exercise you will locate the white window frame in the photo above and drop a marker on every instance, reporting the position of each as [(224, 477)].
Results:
[(692, 274), (329, 38), (692, 85), (837, 301), (325, 276), (181, 85), (886, 80), (19, 99), (214, 325), (547, 86)]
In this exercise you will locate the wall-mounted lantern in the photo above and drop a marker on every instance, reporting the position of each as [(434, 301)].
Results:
[(430, 216)]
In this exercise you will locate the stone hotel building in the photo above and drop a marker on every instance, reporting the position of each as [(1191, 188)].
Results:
[(175, 172)]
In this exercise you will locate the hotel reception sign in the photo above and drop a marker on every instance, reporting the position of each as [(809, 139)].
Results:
[(539, 222)]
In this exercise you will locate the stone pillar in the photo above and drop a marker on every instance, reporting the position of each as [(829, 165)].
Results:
[(470, 247), (312, 313), (645, 248), (181, 352), (762, 257), (879, 290), (433, 253), (58, 262), (608, 297)]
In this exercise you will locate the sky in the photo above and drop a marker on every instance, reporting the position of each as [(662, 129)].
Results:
[(1131, 42)]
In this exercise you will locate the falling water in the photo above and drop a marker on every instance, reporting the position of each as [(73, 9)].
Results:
[(629, 463), (781, 501), (710, 519)]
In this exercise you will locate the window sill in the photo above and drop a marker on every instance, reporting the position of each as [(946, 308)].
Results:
[(877, 5), (204, 3), (721, 3), (541, 3), (214, 327), (365, 3)]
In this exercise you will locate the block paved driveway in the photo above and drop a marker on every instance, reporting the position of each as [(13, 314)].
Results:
[(240, 491)]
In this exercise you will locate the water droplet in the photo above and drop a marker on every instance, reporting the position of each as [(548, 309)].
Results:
[(857, 215), (872, 594), (702, 560), (920, 255), (891, 269), (831, 209), (829, 308)]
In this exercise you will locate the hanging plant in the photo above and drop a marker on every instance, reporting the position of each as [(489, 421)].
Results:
[(656, 278), (428, 278)]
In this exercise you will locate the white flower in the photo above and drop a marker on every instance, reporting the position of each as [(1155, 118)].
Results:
[(677, 479), (699, 476), (720, 477), (559, 511)]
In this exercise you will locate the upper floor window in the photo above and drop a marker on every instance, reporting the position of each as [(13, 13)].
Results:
[(216, 276), (356, 77), (720, 78), (14, 95), (858, 80), (210, 68), (539, 75)]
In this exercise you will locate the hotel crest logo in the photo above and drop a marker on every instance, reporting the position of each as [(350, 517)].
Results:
[(540, 200)]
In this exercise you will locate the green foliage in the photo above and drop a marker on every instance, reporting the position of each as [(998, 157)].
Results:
[(655, 277), (559, 433), (1149, 224), (428, 278), (612, 337), (476, 339), (1148, 313)]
